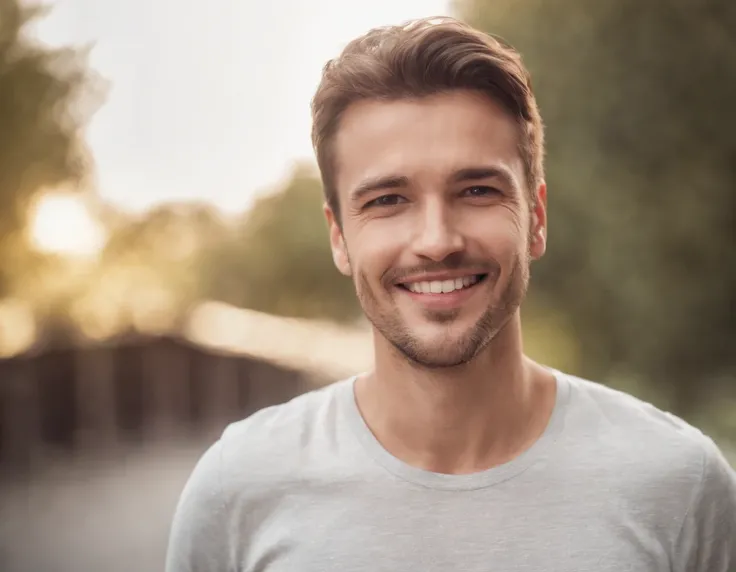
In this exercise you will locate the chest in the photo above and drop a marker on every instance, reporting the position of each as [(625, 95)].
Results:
[(445, 532)]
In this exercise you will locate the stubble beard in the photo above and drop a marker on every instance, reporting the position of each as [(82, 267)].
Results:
[(449, 352)]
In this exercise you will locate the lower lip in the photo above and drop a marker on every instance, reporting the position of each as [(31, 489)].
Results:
[(443, 301)]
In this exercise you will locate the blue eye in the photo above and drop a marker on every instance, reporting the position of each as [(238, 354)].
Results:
[(385, 201)]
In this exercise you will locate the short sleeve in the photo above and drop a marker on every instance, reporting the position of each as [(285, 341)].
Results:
[(707, 541), (198, 541)]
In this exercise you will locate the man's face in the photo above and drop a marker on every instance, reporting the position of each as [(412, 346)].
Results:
[(437, 229)]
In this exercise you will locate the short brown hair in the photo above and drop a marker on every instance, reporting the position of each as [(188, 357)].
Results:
[(417, 59)]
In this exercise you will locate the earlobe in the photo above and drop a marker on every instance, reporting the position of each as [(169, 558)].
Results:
[(340, 256), (337, 243), (538, 221), (538, 244)]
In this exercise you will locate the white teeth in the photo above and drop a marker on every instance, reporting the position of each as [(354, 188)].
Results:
[(441, 286)]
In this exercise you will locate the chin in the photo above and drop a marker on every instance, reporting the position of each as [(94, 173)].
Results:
[(440, 349), (439, 357)]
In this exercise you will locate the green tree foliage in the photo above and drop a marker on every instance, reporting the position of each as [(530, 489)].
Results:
[(638, 99), (46, 96), (280, 260)]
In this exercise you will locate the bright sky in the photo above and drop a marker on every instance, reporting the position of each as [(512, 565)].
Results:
[(209, 100)]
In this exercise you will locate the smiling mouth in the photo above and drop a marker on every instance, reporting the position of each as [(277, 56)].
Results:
[(443, 286)]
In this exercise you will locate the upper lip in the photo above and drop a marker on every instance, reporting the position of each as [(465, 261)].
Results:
[(436, 276)]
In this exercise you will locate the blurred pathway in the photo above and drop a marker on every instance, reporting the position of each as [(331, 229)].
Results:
[(109, 515)]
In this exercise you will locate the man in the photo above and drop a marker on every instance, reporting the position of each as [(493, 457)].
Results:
[(456, 452)]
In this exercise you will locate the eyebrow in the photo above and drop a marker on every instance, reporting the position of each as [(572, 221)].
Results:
[(378, 184), (481, 173), (463, 175)]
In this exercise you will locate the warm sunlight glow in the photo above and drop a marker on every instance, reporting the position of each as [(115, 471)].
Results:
[(124, 297), (62, 224), (17, 327), (320, 347), (153, 310), (98, 317)]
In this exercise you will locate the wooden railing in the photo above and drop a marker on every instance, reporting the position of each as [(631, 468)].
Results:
[(81, 400)]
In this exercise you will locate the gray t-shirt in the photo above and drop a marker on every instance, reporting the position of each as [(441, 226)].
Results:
[(613, 485)]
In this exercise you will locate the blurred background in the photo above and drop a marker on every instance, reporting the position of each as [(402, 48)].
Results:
[(164, 263)]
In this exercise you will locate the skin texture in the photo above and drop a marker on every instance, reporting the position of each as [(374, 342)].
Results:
[(435, 188)]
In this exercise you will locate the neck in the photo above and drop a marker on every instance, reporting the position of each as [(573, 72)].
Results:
[(462, 419)]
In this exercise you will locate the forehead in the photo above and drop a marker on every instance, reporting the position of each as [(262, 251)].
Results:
[(424, 138)]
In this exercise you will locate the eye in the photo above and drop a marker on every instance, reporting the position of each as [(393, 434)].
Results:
[(481, 191), (385, 201)]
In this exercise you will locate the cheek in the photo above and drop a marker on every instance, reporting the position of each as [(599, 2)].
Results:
[(500, 235), (374, 252)]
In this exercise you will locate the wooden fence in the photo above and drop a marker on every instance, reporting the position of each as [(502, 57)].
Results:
[(81, 400)]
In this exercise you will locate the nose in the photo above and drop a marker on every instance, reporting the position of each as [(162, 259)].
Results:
[(437, 233)]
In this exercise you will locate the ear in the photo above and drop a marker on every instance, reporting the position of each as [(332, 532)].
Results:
[(337, 242), (538, 229)]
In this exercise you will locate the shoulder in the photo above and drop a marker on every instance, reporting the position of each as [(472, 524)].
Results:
[(615, 416), (282, 422), (707, 537), (653, 455), (250, 461), (274, 440), (657, 467)]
